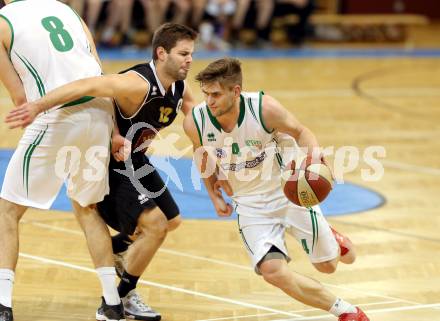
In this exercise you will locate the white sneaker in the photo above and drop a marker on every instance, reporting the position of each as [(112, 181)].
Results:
[(136, 309)]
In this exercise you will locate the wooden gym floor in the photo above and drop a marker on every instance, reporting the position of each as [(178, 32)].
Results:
[(202, 271)]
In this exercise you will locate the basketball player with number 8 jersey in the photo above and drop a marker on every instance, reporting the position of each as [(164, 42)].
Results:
[(44, 45)]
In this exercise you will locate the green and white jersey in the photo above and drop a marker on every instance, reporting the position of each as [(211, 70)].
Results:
[(49, 47), (249, 155)]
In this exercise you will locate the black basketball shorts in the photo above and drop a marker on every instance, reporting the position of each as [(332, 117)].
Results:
[(122, 207)]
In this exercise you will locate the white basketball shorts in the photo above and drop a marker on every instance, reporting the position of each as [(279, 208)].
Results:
[(69, 144)]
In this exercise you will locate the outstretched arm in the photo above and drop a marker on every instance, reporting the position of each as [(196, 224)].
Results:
[(123, 87), (212, 184)]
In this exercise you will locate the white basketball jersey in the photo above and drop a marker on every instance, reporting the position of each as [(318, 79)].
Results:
[(248, 155), (49, 47)]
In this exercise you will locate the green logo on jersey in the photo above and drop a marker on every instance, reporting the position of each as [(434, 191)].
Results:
[(254, 143), (211, 137)]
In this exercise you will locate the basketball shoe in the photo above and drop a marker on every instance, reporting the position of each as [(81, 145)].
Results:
[(343, 241), (358, 316), (110, 312), (5, 313), (136, 309)]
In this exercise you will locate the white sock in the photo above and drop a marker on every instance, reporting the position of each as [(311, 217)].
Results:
[(107, 276), (6, 284), (340, 307)]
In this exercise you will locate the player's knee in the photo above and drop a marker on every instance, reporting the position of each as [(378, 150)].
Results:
[(327, 267), (10, 213), (174, 223), (349, 258), (153, 223), (273, 272)]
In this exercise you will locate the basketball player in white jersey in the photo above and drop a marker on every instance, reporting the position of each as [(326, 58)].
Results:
[(242, 129), (150, 93), (44, 45)]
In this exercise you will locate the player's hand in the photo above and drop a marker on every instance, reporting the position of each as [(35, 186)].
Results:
[(325, 162), (224, 185), (121, 148), (222, 208), (23, 115)]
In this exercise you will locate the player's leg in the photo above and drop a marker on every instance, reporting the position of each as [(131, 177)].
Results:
[(27, 171), (86, 185), (304, 289), (264, 240), (312, 231), (10, 215)]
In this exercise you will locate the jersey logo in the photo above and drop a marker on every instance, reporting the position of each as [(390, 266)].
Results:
[(254, 143), (220, 153), (211, 137), (142, 198), (179, 105), (154, 91)]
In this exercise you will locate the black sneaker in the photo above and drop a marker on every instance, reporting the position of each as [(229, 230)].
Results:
[(109, 312), (6, 313)]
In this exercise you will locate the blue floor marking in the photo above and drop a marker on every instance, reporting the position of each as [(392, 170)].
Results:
[(193, 203), (145, 54)]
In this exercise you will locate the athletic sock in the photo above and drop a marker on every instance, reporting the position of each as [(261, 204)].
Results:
[(340, 307), (6, 284), (120, 243), (107, 276), (128, 283)]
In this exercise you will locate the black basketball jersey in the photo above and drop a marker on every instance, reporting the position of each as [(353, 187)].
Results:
[(158, 110)]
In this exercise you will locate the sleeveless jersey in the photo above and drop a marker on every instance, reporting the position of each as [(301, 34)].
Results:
[(157, 111), (49, 47), (249, 155)]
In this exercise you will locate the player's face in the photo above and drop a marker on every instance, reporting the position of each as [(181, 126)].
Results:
[(220, 100), (179, 59)]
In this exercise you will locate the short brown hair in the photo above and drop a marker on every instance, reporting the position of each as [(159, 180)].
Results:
[(227, 71), (168, 34)]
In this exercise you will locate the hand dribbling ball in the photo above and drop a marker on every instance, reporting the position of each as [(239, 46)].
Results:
[(307, 181)]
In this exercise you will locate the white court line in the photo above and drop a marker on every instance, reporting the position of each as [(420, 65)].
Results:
[(411, 168), (348, 92), (61, 229), (163, 286), (294, 311), (201, 258), (376, 311)]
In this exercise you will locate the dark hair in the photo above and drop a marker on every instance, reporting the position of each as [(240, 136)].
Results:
[(227, 71), (168, 34)]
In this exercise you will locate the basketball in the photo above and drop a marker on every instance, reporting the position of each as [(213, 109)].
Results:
[(307, 181)]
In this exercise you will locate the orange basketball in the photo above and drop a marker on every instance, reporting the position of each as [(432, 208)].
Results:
[(307, 182)]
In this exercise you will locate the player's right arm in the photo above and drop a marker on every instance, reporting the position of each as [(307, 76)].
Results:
[(212, 184), (127, 88), (8, 75)]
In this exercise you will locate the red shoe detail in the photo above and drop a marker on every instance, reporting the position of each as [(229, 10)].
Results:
[(343, 241), (358, 316)]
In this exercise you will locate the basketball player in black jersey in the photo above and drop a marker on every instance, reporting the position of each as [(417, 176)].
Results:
[(148, 96)]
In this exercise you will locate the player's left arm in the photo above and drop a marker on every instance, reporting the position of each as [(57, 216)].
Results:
[(277, 117), (188, 100), (8, 75), (212, 185)]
